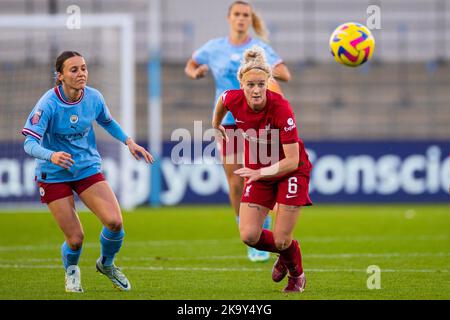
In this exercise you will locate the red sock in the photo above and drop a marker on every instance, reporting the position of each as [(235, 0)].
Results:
[(292, 259), (266, 242)]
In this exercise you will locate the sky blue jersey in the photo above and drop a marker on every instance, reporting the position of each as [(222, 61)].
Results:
[(223, 60), (60, 125)]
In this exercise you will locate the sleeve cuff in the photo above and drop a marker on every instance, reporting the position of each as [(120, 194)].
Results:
[(28, 132)]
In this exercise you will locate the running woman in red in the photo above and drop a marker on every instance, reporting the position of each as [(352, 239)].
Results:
[(271, 176), (222, 56)]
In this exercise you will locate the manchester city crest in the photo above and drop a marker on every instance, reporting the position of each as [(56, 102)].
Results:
[(73, 118)]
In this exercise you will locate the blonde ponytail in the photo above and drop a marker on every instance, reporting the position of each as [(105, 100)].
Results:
[(254, 59), (259, 26)]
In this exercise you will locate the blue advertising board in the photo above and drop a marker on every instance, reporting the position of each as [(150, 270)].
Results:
[(343, 172)]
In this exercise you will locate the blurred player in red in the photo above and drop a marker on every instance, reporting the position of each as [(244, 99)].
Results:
[(267, 122), (223, 56)]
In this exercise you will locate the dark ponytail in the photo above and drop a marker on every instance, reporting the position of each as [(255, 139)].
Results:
[(59, 64)]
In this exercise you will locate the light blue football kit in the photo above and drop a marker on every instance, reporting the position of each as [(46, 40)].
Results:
[(55, 124), (223, 60)]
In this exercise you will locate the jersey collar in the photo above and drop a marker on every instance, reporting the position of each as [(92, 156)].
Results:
[(60, 95), (243, 44)]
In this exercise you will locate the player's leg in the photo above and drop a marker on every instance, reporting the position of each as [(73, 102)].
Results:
[(98, 196), (232, 158), (252, 216), (236, 185), (251, 222), (63, 210), (290, 259), (292, 194), (258, 199), (255, 205)]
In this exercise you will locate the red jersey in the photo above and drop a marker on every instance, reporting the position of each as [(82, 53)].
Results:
[(266, 131)]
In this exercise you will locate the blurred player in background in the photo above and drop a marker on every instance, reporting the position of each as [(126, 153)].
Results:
[(59, 134), (284, 180), (223, 56)]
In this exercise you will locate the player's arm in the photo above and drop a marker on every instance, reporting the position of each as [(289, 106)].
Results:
[(194, 70), (34, 149), (115, 130), (105, 119), (281, 72), (136, 149), (286, 165), (279, 69), (282, 167), (219, 113), (34, 129)]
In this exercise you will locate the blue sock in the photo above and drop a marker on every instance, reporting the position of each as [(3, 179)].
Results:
[(69, 256), (110, 244), (268, 222)]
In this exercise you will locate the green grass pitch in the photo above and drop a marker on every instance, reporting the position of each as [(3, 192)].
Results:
[(194, 252)]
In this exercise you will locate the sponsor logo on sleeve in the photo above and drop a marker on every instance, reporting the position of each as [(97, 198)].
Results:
[(36, 117), (291, 125)]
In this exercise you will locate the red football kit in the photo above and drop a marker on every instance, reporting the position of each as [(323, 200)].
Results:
[(264, 134)]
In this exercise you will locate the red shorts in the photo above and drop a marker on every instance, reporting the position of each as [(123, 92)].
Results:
[(291, 190), (53, 191), (233, 150)]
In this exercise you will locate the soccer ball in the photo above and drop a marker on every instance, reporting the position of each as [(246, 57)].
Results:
[(352, 44)]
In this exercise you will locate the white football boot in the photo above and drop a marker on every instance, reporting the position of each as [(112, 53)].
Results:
[(115, 275), (73, 279)]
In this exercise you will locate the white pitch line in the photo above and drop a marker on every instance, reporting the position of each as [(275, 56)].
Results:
[(306, 255), (379, 255), (208, 269), (155, 243), (214, 242), (244, 257)]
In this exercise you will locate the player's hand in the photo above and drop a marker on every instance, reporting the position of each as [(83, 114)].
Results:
[(62, 159), (201, 71), (220, 132), (249, 174), (136, 150)]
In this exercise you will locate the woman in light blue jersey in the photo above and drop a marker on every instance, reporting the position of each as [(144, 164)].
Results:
[(223, 57), (60, 135)]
